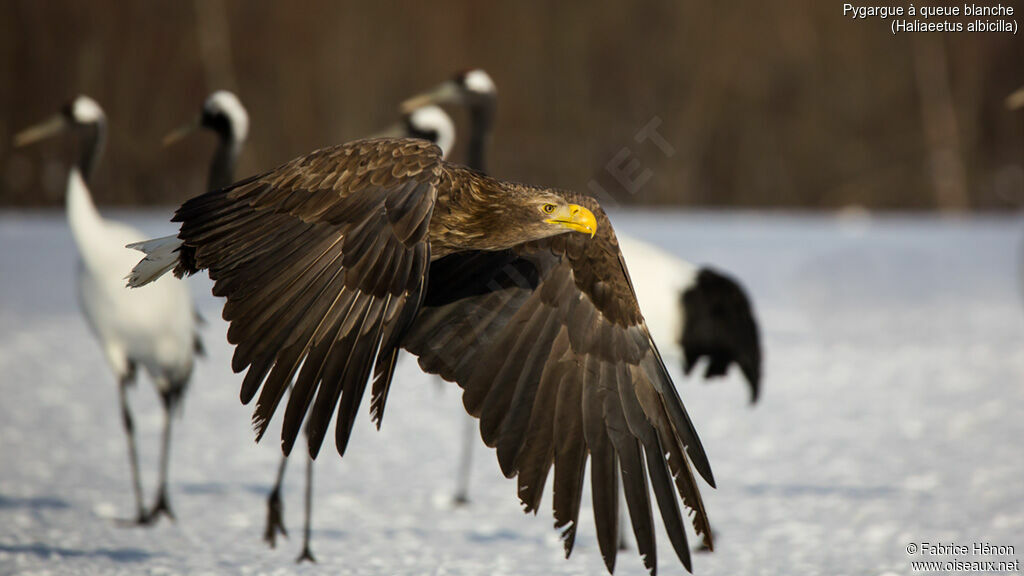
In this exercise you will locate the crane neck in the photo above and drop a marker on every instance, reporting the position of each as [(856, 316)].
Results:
[(92, 138), (222, 169), (83, 218), (481, 122)]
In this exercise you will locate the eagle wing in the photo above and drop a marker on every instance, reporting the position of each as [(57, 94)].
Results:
[(323, 262), (555, 359)]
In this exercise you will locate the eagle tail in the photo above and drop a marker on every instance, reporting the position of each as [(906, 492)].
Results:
[(161, 256)]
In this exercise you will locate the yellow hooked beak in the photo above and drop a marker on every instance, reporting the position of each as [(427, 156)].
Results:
[(180, 133), (575, 218)]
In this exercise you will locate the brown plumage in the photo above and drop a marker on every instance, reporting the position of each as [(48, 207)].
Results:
[(333, 262)]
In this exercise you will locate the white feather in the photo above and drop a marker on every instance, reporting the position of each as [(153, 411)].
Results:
[(161, 256), (229, 104), (434, 119), (85, 110), (480, 82), (154, 326)]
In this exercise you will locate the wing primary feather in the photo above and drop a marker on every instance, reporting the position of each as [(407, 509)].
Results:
[(520, 351), (570, 458), (332, 380), (265, 331), (514, 429), (634, 486), (384, 371), (254, 378), (644, 415), (686, 484), (287, 360), (274, 388), (304, 386), (604, 464), (273, 251), (631, 466), (664, 493), (322, 260), (657, 373), (357, 372), (536, 456), (303, 391)]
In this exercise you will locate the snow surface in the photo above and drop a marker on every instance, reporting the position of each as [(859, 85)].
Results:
[(891, 414)]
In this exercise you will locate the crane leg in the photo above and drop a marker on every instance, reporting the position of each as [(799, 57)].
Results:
[(162, 504), (307, 554), (275, 509), (465, 461), (133, 454)]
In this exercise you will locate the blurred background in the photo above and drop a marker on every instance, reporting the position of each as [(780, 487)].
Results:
[(785, 104)]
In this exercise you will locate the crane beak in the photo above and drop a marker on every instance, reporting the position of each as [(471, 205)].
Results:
[(1015, 100), (394, 131), (40, 131), (180, 132), (445, 93), (575, 218)]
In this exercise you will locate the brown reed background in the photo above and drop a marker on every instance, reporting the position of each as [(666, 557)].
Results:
[(766, 104)]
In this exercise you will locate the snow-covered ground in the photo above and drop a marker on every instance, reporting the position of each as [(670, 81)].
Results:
[(891, 414)]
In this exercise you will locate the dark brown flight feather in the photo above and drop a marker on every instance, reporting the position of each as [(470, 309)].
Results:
[(555, 359)]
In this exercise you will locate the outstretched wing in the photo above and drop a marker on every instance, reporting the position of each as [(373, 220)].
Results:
[(720, 324), (323, 262), (555, 359)]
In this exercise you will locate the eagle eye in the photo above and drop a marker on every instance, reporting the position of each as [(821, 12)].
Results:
[(549, 208)]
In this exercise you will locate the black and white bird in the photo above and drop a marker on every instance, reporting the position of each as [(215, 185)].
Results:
[(153, 328), (223, 114), (475, 90), (429, 123), (710, 315), (694, 312)]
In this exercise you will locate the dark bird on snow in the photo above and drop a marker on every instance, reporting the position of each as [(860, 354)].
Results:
[(335, 261)]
